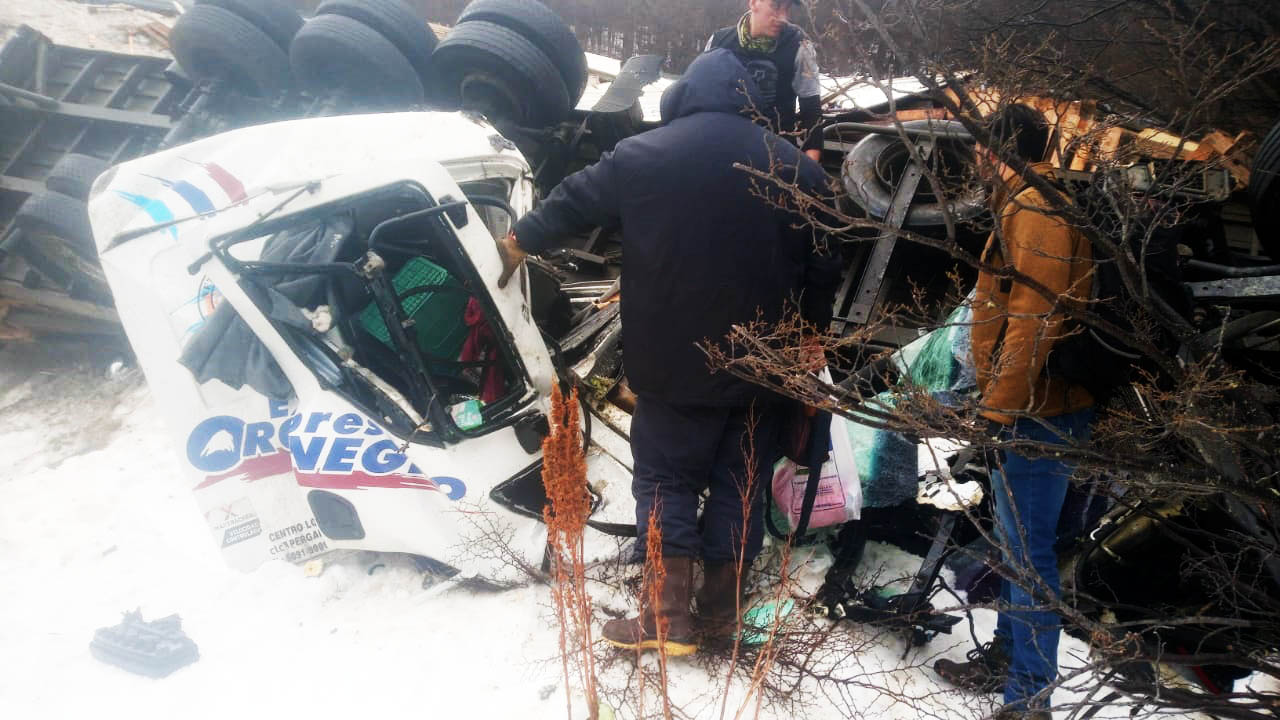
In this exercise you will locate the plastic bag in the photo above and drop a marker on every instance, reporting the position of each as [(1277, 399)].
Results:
[(839, 497)]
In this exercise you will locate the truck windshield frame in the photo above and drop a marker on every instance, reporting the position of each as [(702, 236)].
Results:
[(423, 391)]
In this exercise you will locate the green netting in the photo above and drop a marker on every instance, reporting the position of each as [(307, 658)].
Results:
[(937, 361), (438, 315)]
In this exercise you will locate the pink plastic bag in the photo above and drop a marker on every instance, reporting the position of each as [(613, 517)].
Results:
[(839, 497)]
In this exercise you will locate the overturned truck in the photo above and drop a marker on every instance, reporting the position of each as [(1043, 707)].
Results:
[(308, 278)]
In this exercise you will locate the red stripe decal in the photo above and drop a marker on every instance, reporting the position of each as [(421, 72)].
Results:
[(228, 182), (254, 468), (359, 481), (278, 463)]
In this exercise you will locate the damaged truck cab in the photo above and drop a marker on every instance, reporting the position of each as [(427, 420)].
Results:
[(315, 304)]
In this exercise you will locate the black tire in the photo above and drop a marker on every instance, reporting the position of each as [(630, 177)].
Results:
[(211, 43), (396, 22), (1264, 193), (870, 167), (496, 71), (74, 175), (544, 28), (279, 20), (333, 53), (62, 216)]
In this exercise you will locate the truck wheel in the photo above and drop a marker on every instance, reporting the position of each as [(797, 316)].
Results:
[(277, 19), (62, 216), (1264, 194), (333, 53), (210, 43), (496, 71), (876, 163), (74, 174), (543, 27), (394, 21)]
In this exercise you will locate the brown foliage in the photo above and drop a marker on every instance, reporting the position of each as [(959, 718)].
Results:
[(655, 577), (564, 475)]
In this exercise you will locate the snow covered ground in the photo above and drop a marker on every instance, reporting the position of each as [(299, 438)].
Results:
[(94, 522), (100, 27)]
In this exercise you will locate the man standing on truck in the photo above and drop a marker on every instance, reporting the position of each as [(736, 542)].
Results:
[(1015, 327), (702, 253), (784, 64)]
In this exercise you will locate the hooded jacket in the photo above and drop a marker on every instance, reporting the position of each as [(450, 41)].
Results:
[(1015, 327), (701, 250)]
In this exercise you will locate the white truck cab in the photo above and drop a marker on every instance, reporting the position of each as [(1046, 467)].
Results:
[(314, 304)]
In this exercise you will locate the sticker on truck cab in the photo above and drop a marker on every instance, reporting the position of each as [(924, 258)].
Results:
[(326, 450)]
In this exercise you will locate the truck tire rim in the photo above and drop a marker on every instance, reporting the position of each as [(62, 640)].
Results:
[(490, 96)]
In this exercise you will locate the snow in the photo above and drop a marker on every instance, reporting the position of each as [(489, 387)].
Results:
[(92, 528), (93, 522), (100, 27), (85, 536), (848, 93)]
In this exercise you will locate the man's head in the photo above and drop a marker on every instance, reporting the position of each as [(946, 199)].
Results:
[(1017, 129), (716, 81), (768, 16)]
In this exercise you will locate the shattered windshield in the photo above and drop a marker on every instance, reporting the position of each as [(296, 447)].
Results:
[(395, 320)]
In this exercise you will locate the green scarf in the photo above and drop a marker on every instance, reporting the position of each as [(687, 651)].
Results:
[(755, 44)]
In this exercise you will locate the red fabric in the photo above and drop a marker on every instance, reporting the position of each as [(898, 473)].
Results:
[(481, 345)]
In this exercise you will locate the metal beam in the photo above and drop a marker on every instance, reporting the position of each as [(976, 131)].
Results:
[(1237, 288), (23, 185), (47, 104), (864, 302)]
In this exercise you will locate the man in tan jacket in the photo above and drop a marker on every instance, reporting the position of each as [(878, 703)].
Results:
[(1017, 318)]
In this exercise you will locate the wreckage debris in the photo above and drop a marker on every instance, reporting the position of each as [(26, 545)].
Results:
[(155, 648)]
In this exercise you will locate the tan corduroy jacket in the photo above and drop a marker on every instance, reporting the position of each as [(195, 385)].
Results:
[(1015, 325)]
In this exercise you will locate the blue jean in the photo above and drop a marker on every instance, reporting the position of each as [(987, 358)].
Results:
[(680, 451), (1028, 498)]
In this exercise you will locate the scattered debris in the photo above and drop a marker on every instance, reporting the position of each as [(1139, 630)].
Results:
[(763, 620), (164, 7), (154, 649), (157, 32)]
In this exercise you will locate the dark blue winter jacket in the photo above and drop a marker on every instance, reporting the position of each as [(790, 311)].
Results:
[(701, 251)]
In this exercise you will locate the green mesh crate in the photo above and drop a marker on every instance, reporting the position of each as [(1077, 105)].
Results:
[(438, 316)]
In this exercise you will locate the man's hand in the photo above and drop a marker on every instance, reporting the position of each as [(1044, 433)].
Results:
[(511, 254), (814, 154)]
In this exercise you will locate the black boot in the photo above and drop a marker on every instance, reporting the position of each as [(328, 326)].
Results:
[(984, 672)]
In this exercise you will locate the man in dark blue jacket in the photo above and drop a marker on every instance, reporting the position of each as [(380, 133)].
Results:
[(701, 253)]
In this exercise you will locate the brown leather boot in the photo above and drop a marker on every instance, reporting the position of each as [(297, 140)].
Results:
[(641, 633), (984, 672), (717, 600)]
